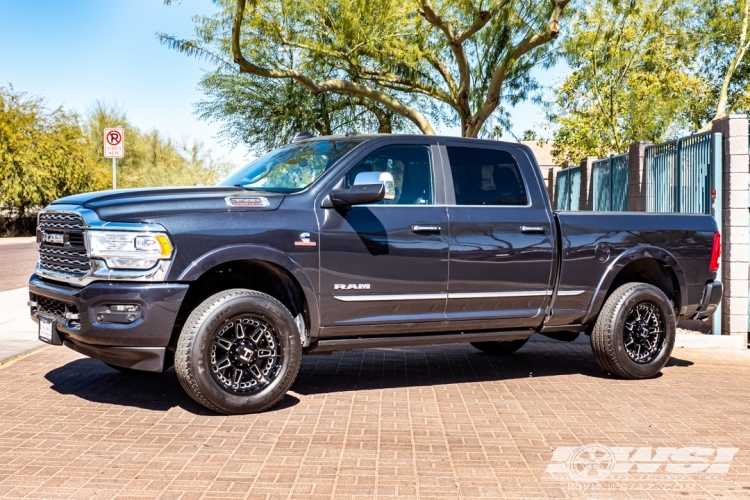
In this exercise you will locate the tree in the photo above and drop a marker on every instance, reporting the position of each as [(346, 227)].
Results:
[(649, 70), (43, 155), (456, 61), (48, 154), (632, 78), (151, 158), (257, 112), (724, 28)]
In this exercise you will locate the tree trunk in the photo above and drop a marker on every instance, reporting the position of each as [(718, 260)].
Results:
[(721, 106)]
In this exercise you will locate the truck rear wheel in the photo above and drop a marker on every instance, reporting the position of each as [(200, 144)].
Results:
[(499, 347), (635, 332), (239, 352)]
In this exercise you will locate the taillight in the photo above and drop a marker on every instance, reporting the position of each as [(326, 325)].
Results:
[(715, 253)]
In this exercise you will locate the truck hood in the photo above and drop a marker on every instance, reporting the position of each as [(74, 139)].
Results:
[(136, 205)]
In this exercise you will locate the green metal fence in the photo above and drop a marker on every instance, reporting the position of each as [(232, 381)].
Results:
[(609, 180), (568, 189), (679, 175)]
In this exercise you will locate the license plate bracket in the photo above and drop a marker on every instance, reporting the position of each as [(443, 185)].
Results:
[(48, 330)]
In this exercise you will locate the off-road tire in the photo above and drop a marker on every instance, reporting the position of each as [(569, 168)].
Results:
[(498, 347), (608, 335), (191, 357)]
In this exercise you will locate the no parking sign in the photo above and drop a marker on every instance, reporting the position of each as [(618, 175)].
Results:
[(114, 143), (114, 147)]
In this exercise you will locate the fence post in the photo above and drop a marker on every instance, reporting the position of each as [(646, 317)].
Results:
[(678, 176), (734, 230), (587, 188), (549, 183), (611, 182), (637, 179), (553, 171)]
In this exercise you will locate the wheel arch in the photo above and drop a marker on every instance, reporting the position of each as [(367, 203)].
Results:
[(258, 267), (646, 264)]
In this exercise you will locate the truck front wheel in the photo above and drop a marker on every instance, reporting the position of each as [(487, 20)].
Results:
[(239, 352), (635, 332)]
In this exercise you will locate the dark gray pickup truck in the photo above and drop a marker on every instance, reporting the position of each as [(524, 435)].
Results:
[(358, 241)]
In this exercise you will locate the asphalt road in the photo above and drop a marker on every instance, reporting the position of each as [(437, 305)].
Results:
[(17, 260)]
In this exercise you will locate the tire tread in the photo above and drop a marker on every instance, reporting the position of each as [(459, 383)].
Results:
[(604, 332), (182, 362)]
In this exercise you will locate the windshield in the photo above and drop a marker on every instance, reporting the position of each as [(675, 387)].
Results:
[(291, 168)]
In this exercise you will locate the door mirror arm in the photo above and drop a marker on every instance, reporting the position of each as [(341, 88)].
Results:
[(360, 194), (368, 187)]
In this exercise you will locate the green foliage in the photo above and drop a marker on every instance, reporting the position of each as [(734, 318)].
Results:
[(151, 158), (645, 70), (631, 75), (43, 154), (368, 65), (48, 154), (265, 114), (716, 27)]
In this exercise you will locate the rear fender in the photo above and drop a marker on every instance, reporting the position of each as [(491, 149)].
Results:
[(627, 257), (261, 253)]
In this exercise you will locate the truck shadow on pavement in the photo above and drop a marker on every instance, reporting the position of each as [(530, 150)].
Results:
[(365, 369)]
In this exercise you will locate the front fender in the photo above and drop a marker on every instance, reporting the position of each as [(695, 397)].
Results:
[(625, 258), (261, 253)]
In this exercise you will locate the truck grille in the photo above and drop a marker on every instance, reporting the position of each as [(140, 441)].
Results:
[(67, 255), (51, 306), (57, 308)]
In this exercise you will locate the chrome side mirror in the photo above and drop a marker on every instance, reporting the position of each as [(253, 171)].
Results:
[(384, 178)]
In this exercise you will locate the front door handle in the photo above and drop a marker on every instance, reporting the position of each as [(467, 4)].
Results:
[(420, 228), (532, 229)]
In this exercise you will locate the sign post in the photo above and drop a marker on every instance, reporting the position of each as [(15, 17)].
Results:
[(114, 147)]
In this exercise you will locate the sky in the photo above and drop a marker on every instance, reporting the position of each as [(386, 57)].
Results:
[(75, 52)]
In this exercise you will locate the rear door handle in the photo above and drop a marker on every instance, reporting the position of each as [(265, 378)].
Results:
[(532, 229), (419, 228)]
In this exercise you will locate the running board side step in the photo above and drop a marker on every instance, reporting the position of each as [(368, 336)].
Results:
[(331, 345)]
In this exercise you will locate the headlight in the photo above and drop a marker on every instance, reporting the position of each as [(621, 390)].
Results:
[(124, 250)]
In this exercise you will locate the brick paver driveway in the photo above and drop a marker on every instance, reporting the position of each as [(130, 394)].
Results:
[(433, 422)]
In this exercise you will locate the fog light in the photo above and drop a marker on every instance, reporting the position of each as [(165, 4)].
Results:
[(131, 318), (125, 308), (99, 317)]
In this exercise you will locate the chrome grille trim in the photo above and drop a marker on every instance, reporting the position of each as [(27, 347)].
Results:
[(70, 258), (66, 263), (61, 220)]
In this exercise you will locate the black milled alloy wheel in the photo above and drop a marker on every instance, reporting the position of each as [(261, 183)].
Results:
[(499, 347), (635, 332), (239, 352)]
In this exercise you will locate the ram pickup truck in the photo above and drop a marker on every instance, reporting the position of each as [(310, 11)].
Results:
[(360, 241)]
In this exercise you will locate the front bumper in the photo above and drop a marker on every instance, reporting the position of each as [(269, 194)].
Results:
[(710, 301), (84, 324)]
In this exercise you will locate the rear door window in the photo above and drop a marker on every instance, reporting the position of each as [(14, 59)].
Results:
[(486, 177)]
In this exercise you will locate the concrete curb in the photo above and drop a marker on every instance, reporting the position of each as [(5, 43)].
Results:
[(691, 341), (18, 333), (8, 361)]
